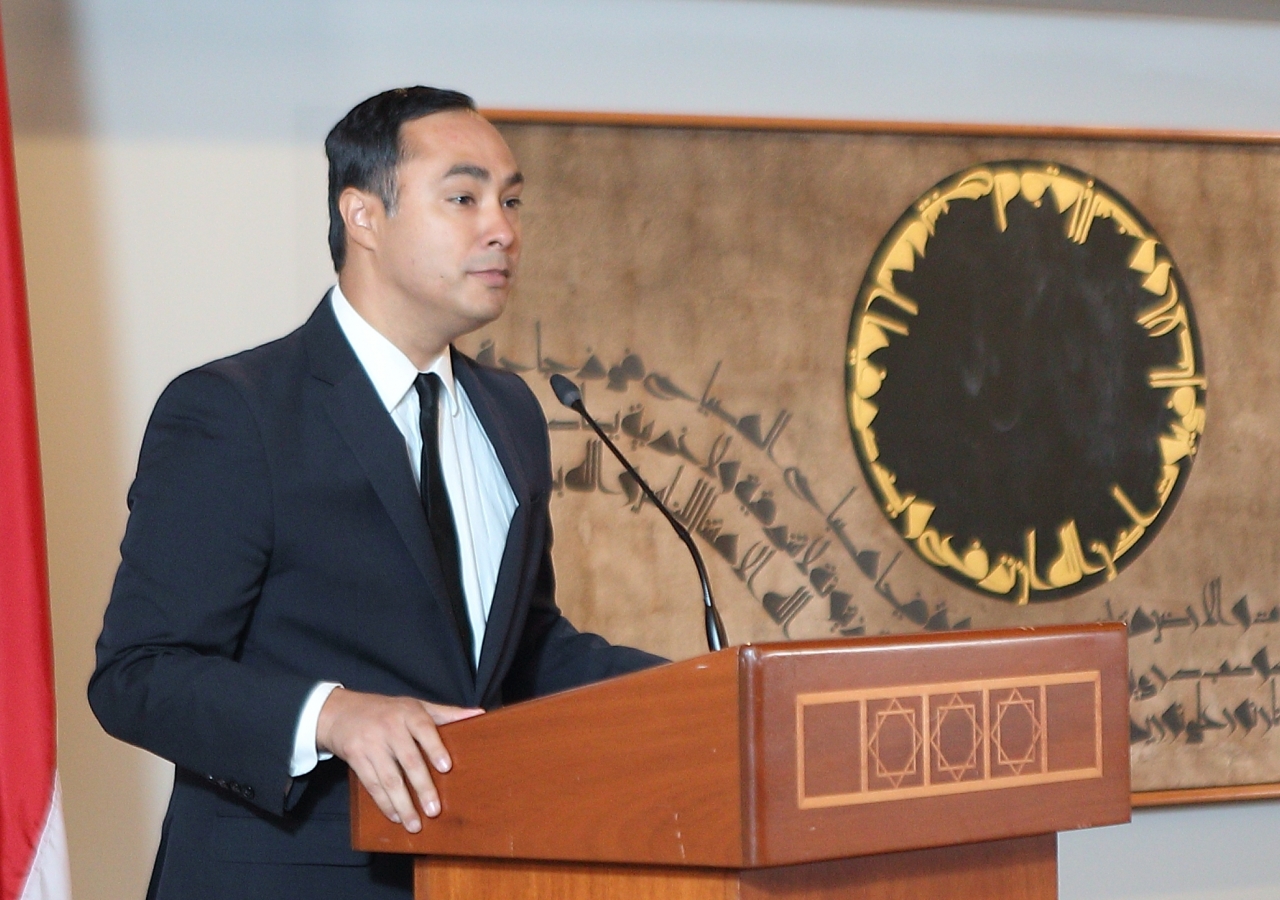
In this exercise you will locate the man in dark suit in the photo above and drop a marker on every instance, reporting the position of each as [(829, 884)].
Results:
[(340, 540)]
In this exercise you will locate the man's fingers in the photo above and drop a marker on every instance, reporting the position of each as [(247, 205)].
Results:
[(380, 772), (389, 774), (424, 733), (429, 739), (409, 757), (443, 715), (368, 776)]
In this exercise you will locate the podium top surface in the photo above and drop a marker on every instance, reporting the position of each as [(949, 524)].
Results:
[(776, 754)]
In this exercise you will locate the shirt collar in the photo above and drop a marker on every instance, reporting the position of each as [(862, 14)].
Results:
[(391, 372)]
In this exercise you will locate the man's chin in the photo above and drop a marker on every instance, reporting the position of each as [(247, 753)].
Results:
[(484, 312)]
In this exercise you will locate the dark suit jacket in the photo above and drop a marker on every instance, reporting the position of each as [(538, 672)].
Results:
[(275, 539)]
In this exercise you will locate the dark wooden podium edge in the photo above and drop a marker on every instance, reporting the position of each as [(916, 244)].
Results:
[(859, 126)]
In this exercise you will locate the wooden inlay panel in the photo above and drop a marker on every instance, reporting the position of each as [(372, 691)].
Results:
[(897, 743)]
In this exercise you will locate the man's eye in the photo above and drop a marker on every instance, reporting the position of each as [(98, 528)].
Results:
[(462, 199), (513, 203)]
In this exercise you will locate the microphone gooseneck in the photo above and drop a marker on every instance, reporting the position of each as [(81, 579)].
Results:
[(568, 394)]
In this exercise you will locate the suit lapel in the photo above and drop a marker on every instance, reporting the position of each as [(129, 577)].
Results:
[(515, 555), (362, 421)]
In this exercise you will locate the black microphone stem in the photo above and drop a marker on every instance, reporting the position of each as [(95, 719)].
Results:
[(716, 639)]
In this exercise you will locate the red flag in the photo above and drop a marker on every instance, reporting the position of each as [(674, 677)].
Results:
[(33, 862)]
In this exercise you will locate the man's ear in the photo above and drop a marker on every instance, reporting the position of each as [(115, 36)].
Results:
[(361, 213)]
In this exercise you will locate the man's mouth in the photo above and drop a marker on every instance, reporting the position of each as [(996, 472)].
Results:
[(492, 277), (492, 270)]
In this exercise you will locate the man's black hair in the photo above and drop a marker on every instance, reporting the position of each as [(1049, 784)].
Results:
[(365, 148)]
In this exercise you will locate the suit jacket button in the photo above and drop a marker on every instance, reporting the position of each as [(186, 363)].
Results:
[(248, 792)]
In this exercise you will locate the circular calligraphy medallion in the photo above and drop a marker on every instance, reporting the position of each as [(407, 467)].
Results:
[(1025, 384)]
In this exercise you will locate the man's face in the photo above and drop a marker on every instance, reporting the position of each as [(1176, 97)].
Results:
[(451, 247)]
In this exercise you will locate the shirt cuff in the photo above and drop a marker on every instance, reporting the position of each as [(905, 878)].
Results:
[(305, 754)]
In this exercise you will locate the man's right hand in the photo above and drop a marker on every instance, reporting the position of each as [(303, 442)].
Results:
[(386, 740)]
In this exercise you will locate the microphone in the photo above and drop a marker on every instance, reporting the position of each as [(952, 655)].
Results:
[(568, 394)]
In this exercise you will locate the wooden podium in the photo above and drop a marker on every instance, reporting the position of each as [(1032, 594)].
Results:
[(935, 766)]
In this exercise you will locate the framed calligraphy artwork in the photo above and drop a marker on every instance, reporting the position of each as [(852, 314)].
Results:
[(920, 378)]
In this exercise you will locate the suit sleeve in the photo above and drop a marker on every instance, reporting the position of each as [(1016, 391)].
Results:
[(195, 552), (553, 655)]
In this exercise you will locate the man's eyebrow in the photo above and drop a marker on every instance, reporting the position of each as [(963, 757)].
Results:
[(480, 173)]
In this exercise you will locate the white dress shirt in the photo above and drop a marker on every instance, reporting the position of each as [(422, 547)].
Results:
[(479, 493)]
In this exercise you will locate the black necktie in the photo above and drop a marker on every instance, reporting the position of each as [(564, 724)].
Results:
[(435, 500)]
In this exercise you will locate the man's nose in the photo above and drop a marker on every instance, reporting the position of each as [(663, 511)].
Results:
[(500, 227)]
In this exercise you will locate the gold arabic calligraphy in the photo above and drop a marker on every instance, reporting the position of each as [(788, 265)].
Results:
[(883, 312)]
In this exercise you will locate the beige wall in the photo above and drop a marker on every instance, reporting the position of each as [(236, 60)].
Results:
[(162, 229), (143, 259)]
